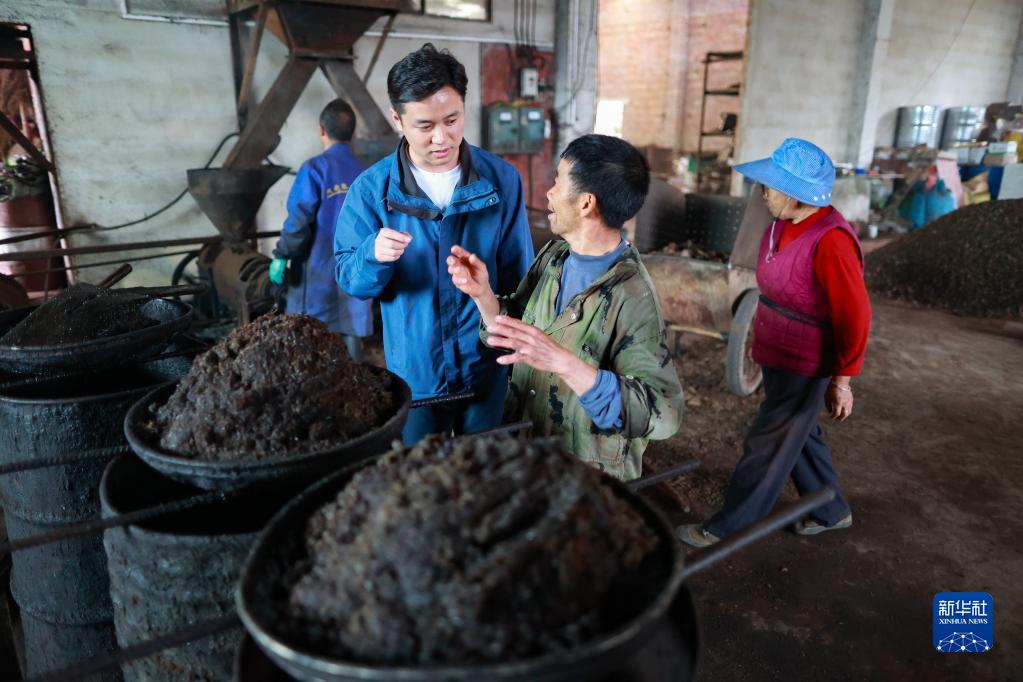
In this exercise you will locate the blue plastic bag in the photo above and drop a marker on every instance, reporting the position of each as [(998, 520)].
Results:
[(925, 206)]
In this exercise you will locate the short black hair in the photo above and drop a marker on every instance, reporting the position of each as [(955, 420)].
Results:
[(613, 171), (338, 119), (422, 73)]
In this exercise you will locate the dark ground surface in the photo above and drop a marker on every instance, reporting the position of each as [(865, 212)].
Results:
[(932, 464)]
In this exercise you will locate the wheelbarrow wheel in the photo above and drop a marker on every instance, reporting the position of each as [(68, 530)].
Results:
[(743, 375)]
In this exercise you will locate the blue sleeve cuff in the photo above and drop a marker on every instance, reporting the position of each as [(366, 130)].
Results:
[(603, 402)]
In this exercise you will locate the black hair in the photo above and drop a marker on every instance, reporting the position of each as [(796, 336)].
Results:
[(422, 73), (338, 119), (613, 171)]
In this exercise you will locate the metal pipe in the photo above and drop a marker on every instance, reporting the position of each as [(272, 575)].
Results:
[(758, 530), (82, 266), (114, 277), (132, 653), (115, 521), (666, 475), (440, 400), (61, 460), (125, 246), (42, 233)]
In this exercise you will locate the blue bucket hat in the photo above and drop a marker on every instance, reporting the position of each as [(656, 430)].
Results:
[(797, 168)]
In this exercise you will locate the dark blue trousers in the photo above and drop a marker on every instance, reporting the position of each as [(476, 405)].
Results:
[(483, 411), (785, 440)]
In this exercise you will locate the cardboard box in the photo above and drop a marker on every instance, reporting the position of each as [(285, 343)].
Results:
[(1002, 160)]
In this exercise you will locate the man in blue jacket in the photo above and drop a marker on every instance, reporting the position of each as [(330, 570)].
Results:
[(397, 227), (307, 238)]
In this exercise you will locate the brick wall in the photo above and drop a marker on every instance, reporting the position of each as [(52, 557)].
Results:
[(651, 54), (500, 83)]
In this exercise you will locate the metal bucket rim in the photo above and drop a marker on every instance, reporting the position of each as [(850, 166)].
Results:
[(603, 645), (184, 309), (4, 398), (41, 360), (156, 536)]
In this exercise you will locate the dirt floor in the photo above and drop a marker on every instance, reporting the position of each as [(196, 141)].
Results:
[(932, 464)]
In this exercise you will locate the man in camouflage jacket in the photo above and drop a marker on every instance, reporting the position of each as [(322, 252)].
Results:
[(584, 327)]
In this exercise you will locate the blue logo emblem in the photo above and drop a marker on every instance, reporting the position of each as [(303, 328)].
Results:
[(964, 622)]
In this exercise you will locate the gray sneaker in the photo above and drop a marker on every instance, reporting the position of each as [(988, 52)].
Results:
[(694, 534), (809, 526)]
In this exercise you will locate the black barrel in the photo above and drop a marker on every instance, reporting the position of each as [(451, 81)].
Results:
[(61, 588), (178, 569)]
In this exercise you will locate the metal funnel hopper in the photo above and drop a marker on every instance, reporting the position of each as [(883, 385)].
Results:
[(230, 197)]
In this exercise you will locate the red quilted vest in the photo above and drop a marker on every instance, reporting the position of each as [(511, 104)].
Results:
[(793, 324)]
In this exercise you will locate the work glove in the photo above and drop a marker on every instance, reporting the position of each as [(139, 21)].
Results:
[(277, 268)]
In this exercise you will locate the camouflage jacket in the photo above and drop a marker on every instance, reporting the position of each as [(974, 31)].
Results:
[(615, 325)]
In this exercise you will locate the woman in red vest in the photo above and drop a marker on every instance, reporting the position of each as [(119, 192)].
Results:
[(811, 331)]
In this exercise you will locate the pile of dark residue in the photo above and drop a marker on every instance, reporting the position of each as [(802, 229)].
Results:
[(281, 385), (469, 550), (969, 261), (80, 313)]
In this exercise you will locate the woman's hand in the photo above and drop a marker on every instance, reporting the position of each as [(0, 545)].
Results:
[(838, 400)]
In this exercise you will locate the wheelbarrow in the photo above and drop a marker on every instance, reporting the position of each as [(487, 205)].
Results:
[(711, 298)]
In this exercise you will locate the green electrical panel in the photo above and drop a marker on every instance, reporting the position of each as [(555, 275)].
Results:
[(501, 128), (531, 129), (514, 129)]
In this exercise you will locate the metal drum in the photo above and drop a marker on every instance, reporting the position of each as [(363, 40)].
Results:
[(177, 570), (61, 588), (962, 124), (918, 125)]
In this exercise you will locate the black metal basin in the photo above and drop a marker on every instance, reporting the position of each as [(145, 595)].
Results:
[(298, 469), (281, 544), (96, 354)]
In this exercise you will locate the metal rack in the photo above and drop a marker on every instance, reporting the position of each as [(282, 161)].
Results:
[(713, 58)]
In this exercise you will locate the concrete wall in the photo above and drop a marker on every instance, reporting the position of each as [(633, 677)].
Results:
[(939, 55), (801, 61), (132, 104), (575, 82), (804, 67)]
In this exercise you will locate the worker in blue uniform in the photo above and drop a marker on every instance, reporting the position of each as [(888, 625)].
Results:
[(304, 255), (396, 231)]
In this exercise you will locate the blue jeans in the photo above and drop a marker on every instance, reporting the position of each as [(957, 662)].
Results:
[(483, 411), (784, 440)]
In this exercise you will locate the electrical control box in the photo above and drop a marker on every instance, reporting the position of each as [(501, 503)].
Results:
[(531, 129), (514, 128), (501, 128), (529, 82)]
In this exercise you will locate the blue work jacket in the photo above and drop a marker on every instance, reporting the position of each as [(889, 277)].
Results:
[(431, 329), (307, 241)]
